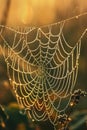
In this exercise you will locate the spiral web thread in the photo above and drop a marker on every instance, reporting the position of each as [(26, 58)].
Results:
[(42, 68)]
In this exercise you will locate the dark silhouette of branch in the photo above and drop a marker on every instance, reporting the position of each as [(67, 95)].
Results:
[(5, 14)]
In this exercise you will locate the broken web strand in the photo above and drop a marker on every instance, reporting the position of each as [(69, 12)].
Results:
[(30, 88)]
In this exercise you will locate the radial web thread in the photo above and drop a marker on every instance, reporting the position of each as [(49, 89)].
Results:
[(42, 68)]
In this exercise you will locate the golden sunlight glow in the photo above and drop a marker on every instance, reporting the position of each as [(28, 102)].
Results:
[(32, 11), (24, 12), (1, 8), (44, 11), (39, 12)]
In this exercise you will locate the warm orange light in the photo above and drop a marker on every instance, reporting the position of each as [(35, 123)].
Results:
[(69, 119), (39, 11), (3, 124), (71, 104), (32, 11), (24, 14)]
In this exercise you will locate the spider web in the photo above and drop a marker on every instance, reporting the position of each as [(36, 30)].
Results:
[(42, 68)]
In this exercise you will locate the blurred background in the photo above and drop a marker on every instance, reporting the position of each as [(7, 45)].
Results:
[(27, 13)]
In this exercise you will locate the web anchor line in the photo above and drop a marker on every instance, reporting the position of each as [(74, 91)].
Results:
[(67, 19), (42, 69)]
